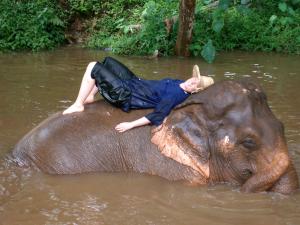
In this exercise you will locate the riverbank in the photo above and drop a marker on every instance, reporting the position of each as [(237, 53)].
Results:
[(139, 27)]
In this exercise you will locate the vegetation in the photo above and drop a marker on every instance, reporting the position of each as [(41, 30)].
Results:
[(30, 25), (247, 25), (138, 27), (123, 38)]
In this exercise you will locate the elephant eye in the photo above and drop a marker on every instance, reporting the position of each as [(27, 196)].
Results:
[(249, 143)]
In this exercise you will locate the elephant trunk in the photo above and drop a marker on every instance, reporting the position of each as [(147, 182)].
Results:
[(288, 182), (265, 179)]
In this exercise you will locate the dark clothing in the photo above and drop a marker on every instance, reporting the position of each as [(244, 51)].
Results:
[(162, 95), (109, 76), (123, 89)]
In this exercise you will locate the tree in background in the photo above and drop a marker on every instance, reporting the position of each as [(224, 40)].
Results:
[(144, 27), (186, 21)]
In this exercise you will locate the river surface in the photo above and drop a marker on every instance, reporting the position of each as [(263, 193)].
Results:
[(35, 85)]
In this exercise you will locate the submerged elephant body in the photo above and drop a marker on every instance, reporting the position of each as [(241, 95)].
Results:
[(226, 133), (88, 142)]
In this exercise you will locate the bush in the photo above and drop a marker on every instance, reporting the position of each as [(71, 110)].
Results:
[(31, 24), (84, 8), (255, 28), (260, 26), (152, 35), (247, 24)]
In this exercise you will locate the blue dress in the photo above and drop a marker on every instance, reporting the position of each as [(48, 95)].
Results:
[(162, 95)]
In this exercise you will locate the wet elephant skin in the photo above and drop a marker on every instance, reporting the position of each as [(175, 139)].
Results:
[(226, 133)]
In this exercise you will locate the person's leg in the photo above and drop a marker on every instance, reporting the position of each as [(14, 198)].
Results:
[(118, 68), (91, 96), (87, 86)]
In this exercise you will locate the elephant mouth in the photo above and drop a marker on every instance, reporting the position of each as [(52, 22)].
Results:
[(169, 145)]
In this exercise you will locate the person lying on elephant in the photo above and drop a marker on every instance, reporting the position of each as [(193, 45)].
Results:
[(122, 88)]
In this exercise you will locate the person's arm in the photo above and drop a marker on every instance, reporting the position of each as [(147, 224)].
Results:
[(161, 111), (121, 127), (156, 117)]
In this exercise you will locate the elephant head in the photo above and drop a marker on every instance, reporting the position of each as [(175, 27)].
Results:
[(229, 134)]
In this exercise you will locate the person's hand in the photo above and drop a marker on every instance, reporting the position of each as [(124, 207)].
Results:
[(121, 127)]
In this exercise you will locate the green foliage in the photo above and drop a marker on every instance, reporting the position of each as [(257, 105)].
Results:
[(152, 35), (247, 25), (30, 25), (84, 7), (224, 4), (110, 8), (114, 22), (209, 52), (268, 25)]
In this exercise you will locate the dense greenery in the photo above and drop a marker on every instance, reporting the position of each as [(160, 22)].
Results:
[(29, 24), (261, 25), (123, 38), (137, 26), (248, 25)]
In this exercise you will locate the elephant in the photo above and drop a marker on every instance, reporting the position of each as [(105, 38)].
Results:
[(226, 133)]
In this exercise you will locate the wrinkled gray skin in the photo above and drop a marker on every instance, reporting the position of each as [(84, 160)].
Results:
[(226, 133)]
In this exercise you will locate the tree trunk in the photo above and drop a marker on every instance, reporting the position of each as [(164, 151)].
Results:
[(186, 20)]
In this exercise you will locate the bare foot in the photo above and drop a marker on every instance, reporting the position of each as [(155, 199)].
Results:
[(73, 108), (89, 99)]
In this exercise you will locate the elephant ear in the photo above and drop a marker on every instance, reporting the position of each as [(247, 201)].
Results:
[(182, 138)]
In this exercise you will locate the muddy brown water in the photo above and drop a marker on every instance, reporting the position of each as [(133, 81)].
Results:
[(33, 86)]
